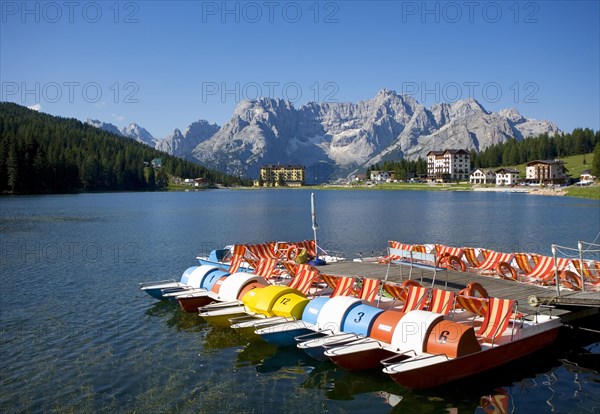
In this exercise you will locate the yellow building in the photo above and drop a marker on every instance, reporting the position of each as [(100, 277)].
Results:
[(281, 175)]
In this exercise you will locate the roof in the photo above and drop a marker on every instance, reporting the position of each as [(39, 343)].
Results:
[(507, 171), (484, 170), (295, 166), (548, 162), (448, 151)]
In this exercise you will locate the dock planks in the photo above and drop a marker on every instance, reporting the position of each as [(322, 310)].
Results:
[(457, 280)]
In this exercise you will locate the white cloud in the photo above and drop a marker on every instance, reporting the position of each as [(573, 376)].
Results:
[(35, 107), (119, 118), (99, 104)]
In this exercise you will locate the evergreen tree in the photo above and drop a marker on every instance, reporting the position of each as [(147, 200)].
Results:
[(43, 153), (12, 168), (596, 162), (151, 182)]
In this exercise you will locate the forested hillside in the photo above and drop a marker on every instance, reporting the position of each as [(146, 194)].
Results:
[(40, 153), (543, 147), (402, 169), (512, 152)]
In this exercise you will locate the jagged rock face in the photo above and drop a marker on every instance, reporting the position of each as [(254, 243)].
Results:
[(176, 143), (333, 139), (259, 131), (136, 132), (133, 131), (182, 144), (171, 143), (108, 127)]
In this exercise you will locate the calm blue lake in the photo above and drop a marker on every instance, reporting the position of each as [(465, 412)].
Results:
[(77, 335)]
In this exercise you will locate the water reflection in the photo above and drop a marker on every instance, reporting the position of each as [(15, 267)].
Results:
[(498, 402), (175, 318), (268, 358), (220, 337), (254, 353), (88, 332), (345, 385), (572, 362)]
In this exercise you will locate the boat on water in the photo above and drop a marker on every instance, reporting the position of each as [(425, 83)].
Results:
[(284, 334), (381, 336), (240, 256), (390, 334), (263, 306), (342, 314), (284, 316), (432, 337), (418, 348), (421, 348), (356, 323), (321, 316), (210, 291), (230, 258), (227, 296), (193, 278), (453, 351), (283, 251)]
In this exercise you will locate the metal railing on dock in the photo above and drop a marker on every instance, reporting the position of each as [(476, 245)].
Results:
[(592, 248)]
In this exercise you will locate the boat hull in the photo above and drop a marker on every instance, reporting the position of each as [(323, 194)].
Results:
[(158, 292), (192, 303), (285, 334), (285, 338), (361, 361), (315, 348), (458, 368)]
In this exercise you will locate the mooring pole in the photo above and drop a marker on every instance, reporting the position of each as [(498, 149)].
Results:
[(315, 226), (581, 265), (555, 269)]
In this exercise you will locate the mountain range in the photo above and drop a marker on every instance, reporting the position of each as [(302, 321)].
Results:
[(336, 139)]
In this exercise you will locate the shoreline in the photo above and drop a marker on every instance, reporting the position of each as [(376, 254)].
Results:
[(590, 192)]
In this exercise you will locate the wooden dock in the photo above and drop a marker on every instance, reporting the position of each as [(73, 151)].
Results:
[(570, 305)]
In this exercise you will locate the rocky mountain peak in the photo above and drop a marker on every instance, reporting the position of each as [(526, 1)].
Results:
[(108, 127), (134, 131), (175, 134), (347, 136), (467, 107), (513, 115), (182, 144), (333, 139)]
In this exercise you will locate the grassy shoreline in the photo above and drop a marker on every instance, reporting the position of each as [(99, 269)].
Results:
[(591, 192), (584, 192)]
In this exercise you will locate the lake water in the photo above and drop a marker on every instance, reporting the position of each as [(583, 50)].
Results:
[(77, 335)]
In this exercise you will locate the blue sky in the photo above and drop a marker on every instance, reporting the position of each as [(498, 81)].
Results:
[(164, 65)]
